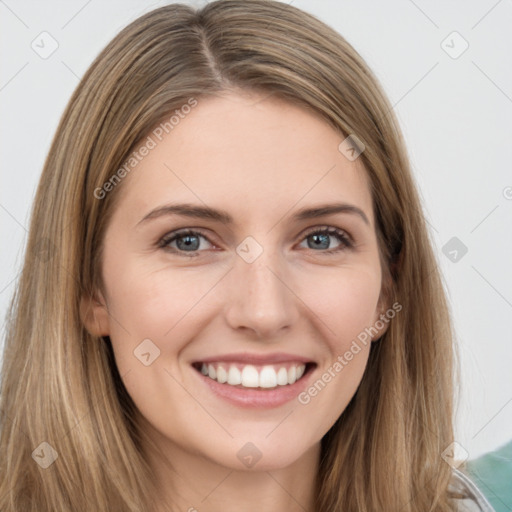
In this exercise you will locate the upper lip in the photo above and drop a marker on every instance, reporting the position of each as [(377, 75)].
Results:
[(254, 358)]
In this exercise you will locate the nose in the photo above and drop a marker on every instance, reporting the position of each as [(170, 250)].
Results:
[(260, 298)]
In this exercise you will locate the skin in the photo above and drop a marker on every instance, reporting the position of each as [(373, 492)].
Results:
[(261, 159)]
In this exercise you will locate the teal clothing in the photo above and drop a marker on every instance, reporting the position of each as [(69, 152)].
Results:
[(492, 473)]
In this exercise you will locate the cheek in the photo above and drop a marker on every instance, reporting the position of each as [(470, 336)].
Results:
[(345, 306), (156, 304), (345, 300), (165, 306)]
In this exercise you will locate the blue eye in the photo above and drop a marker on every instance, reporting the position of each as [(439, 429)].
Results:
[(320, 239), (188, 242)]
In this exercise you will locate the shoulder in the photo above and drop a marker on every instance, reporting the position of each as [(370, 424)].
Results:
[(467, 495)]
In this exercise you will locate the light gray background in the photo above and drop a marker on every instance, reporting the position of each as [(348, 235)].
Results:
[(456, 116)]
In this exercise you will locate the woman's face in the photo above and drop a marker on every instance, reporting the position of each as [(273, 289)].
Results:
[(228, 248)]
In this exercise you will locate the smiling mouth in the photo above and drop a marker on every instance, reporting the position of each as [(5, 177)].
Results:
[(269, 376)]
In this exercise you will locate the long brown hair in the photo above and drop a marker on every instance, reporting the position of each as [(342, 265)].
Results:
[(60, 384)]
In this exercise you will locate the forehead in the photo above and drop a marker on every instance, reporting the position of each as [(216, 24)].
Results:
[(249, 153)]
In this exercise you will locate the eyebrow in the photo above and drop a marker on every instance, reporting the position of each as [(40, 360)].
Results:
[(205, 212)]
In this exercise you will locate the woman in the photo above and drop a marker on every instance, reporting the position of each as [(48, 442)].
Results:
[(229, 297)]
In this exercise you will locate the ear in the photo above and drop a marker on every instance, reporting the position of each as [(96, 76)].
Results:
[(94, 314), (382, 319), (380, 326)]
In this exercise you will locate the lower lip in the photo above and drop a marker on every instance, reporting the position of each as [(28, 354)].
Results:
[(257, 397)]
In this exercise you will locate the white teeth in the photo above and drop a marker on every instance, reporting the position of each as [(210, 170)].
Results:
[(282, 377), (268, 376), (250, 377), (222, 375), (234, 376)]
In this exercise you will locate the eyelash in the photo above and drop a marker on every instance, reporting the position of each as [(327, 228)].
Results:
[(343, 238)]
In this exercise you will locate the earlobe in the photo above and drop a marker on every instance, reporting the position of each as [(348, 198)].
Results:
[(382, 318), (94, 315), (381, 325), (381, 321)]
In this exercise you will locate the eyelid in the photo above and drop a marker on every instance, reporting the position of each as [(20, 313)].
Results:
[(346, 241), (327, 227), (172, 235)]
